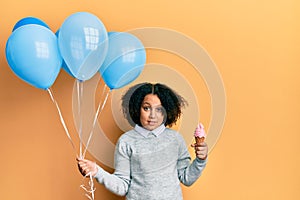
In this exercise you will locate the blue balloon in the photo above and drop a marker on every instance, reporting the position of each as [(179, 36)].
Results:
[(64, 65), (83, 44), (30, 20), (124, 61), (32, 53)]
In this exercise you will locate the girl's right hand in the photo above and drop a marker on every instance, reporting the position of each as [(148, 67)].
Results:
[(87, 167)]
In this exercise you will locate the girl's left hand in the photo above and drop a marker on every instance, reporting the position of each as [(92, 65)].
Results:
[(201, 150)]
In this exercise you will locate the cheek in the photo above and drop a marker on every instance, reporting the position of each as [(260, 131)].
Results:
[(160, 117), (143, 115), (143, 119)]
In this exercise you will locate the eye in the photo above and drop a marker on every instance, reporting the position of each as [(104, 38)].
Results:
[(146, 108), (159, 109)]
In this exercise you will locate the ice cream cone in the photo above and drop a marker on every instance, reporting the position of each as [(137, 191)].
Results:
[(199, 134), (199, 140)]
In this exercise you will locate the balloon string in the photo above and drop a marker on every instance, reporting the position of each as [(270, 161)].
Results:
[(62, 119), (79, 100), (92, 189), (90, 192), (99, 110)]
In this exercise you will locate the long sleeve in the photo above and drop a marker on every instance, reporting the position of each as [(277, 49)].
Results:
[(188, 172), (151, 167), (119, 181)]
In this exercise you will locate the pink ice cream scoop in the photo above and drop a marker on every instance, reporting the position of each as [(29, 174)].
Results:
[(200, 134)]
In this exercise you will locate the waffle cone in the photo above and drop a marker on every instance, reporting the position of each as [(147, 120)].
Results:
[(199, 139)]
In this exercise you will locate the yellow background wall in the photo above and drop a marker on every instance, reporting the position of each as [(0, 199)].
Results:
[(255, 45)]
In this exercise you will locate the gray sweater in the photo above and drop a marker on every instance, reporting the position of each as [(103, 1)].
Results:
[(151, 165)]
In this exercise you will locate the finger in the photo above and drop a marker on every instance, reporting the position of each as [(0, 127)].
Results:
[(201, 149), (198, 151), (84, 167), (202, 144), (197, 145), (80, 159), (198, 148), (82, 164), (201, 155), (86, 170)]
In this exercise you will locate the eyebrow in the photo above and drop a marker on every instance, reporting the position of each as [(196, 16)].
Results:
[(146, 103)]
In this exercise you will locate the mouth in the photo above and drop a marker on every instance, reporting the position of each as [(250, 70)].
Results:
[(151, 123)]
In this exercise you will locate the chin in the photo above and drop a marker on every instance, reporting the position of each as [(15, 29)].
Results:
[(150, 128)]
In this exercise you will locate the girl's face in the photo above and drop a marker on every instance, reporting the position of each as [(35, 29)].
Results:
[(151, 111)]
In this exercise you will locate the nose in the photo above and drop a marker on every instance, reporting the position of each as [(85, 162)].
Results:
[(152, 113)]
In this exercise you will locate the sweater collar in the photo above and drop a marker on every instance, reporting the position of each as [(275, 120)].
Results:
[(144, 132)]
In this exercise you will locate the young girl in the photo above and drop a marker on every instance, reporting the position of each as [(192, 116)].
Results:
[(150, 160)]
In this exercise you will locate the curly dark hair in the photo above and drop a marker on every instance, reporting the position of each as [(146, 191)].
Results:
[(170, 100)]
